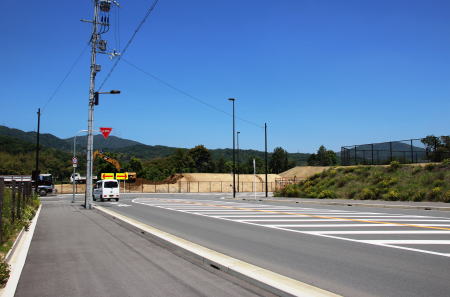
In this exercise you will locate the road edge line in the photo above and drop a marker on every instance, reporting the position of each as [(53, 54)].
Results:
[(273, 282), (19, 256)]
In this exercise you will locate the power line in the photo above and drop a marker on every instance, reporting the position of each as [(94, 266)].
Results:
[(66, 76), (188, 95), (149, 11)]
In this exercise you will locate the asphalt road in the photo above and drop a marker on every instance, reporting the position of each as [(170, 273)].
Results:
[(353, 251), (78, 252)]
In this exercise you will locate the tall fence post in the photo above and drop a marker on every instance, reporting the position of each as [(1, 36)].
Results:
[(2, 189), (356, 156), (13, 201), (390, 151), (19, 200), (372, 153)]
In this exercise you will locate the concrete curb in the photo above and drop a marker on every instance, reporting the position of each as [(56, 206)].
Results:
[(18, 256), (275, 283)]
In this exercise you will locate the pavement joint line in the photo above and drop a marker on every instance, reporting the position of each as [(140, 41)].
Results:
[(261, 277), (18, 257), (314, 216)]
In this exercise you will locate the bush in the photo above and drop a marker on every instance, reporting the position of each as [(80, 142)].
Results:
[(445, 163), (394, 165), (291, 191), (435, 193), (367, 194), (430, 167), (392, 195), (419, 196), (326, 194), (4, 273), (446, 196)]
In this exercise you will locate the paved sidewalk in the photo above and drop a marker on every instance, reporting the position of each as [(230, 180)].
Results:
[(78, 252)]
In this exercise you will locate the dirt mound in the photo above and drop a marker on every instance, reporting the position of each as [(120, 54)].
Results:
[(303, 172)]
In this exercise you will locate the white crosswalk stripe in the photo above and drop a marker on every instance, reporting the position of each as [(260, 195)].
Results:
[(407, 232)]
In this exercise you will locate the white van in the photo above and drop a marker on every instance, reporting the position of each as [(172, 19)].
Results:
[(106, 189)]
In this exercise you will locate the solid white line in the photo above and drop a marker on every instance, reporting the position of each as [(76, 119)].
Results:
[(407, 241), (379, 232), (327, 225), (291, 220)]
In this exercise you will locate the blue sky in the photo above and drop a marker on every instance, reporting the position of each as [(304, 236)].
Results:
[(318, 72)]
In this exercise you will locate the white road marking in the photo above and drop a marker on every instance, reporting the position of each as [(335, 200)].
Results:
[(295, 212), (380, 232), (407, 241)]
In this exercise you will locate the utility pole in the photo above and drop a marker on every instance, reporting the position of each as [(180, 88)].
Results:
[(35, 176), (100, 25), (265, 155)]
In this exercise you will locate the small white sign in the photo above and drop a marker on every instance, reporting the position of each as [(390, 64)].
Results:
[(74, 161)]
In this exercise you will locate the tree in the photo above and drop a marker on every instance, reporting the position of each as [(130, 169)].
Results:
[(135, 165), (201, 157), (323, 157), (220, 167), (279, 161), (182, 161)]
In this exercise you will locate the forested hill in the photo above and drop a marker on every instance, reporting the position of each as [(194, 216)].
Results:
[(129, 148)]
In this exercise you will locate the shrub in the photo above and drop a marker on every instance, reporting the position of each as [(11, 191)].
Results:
[(430, 167), (367, 193), (394, 165), (392, 195), (291, 191), (445, 163), (326, 194), (4, 273), (438, 183), (419, 196), (417, 170), (446, 197), (388, 181), (435, 193)]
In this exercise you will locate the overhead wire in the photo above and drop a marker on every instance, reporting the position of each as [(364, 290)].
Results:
[(188, 95), (149, 11), (66, 76)]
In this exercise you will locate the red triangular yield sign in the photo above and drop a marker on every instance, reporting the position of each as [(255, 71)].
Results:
[(105, 131)]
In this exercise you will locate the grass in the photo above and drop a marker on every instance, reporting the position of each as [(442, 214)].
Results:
[(395, 182)]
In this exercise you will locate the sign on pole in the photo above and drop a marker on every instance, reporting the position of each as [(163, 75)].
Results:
[(105, 131), (107, 175), (74, 161), (122, 176)]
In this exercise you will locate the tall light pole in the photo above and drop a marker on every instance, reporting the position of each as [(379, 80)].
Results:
[(238, 160), (234, 156), (265, 155)]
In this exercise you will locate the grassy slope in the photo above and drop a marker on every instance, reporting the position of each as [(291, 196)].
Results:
[(394, 182)]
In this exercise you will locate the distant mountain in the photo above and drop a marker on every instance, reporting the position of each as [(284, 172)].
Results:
[(129, 148), (100, 143), (45, 139)]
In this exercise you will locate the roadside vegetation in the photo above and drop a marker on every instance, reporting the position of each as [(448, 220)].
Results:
[(11, 226), (394, 182)]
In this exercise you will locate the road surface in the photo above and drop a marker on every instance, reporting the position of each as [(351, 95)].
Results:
[(353, 251)]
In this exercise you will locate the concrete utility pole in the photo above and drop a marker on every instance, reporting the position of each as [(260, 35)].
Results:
[(265, 156), (100, 25)]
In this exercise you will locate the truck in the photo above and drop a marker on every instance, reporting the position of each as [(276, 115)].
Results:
[(44, 183), (80, 179)]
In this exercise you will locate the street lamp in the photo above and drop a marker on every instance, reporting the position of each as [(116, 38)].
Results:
[(234, 157), (238, 161), (94, 100)]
